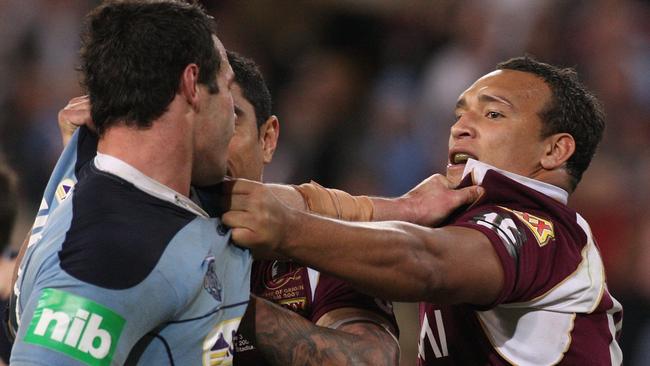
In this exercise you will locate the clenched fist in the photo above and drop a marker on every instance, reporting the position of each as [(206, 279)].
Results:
[(259, 221)]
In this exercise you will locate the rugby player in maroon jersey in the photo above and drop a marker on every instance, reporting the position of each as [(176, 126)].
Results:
[(514, 278)]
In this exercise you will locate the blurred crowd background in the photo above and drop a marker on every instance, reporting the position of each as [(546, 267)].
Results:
[(365, 91)]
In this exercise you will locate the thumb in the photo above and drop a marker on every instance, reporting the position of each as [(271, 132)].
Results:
[(469, 195)]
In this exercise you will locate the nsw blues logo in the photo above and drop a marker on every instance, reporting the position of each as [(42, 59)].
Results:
[(211, 282)]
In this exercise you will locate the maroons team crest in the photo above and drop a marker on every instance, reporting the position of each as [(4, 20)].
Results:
[(541, 229), (279, 273), (218, 346), (63, 189)]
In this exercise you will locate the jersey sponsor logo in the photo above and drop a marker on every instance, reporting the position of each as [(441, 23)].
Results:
[(75, 326), (63, 189), (427, 337), (296, 305), (211, 282), (542, 229), (218, 346), (505, 228)]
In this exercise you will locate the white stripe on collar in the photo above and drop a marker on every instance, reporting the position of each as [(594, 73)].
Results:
[(115, 166), (479, 169)]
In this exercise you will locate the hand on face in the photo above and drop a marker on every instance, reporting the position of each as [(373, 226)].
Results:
[(73, 116), (259, 221), (435, 198)]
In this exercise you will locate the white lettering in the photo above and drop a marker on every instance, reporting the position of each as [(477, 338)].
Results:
[(77, 327), (94, 340), (507, 226), (426, 332), (93, 332), (441, 332), (62, 321)]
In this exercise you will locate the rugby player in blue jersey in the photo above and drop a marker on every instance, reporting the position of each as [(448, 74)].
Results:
[(125, 268), (337, 322)]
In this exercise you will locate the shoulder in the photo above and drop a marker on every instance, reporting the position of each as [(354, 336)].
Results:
[(117, 233)]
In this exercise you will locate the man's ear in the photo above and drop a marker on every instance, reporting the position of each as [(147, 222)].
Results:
[(269, 134), (559, 148), (189, 85)]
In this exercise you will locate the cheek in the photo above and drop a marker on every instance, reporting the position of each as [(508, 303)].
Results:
[(239, 148)]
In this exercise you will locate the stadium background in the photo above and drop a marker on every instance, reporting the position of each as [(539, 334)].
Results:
[(365, 91)]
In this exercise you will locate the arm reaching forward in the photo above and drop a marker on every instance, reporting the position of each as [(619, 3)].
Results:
[(392, 260)]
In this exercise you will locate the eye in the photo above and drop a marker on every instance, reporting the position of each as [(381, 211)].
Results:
[(457, 117), (493, 115)]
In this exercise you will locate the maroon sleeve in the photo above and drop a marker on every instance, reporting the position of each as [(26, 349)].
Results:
[(332, 293), (535, 252)]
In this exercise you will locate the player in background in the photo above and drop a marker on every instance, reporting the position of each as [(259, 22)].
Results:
[(515, 278), (125, 268), (340, 325)]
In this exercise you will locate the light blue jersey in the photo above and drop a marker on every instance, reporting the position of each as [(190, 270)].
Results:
[(123, 270)]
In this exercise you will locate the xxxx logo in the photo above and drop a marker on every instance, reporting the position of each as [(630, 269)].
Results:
[(541, 229), (75, 326)]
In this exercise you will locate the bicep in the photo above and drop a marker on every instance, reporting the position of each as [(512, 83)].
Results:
[(469, 267)]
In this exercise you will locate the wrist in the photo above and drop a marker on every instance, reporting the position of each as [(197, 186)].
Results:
[(398, 208), (292, 230)]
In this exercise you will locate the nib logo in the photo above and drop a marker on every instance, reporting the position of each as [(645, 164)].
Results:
[(76, 326)]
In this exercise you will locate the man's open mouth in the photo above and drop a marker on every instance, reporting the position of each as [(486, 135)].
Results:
[(460, 158)]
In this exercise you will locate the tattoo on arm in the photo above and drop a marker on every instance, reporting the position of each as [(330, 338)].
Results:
[(286, 338)]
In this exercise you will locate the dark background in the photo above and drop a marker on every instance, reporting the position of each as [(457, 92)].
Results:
[(365, 92)]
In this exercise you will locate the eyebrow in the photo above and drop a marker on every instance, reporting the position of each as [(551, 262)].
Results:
[(486, 98), (461, 103)]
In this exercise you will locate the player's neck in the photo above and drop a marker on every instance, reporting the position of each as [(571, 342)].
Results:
[(163, 152), (557, 177)]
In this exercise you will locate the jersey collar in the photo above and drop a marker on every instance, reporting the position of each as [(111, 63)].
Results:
[(479, 169), (115, 166)]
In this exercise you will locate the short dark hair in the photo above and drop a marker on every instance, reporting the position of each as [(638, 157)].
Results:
[(573, 109), (250, 80), (134, 52), (8, 202)]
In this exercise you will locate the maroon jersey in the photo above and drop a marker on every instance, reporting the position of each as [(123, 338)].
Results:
[(554, 308), (306, 292)]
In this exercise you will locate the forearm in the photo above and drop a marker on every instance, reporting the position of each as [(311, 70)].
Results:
[(288, 195), (391, 260), (285, 338), (388, 209), (427, 204)]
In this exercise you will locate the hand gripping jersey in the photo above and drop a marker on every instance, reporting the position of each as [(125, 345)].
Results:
[(554, 308), (308, 293), (122, 270)]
